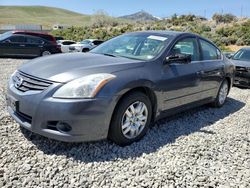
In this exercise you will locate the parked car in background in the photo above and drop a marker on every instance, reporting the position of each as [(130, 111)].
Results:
[(85, 45), (26, 46), (241, 60), (65, 44), (45, 36), (120, 87), (59, 38)]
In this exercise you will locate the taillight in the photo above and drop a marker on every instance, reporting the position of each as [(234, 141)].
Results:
[(59, 47)]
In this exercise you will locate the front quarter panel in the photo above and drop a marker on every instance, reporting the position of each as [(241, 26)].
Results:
[(146, 76)]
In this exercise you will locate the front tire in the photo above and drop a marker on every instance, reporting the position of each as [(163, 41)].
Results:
[(131, 119), (222, 95)]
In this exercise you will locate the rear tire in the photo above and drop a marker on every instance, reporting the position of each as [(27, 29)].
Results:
[(45, 53), (222, 95), (131, 119)]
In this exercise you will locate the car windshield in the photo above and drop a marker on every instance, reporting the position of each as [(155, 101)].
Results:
[(242, 55), (5, 36), (85, 42), (135, 46)]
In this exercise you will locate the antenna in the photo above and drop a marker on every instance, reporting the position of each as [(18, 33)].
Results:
[(205, 13)]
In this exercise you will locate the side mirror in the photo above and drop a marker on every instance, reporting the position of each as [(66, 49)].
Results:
[(179, 58), (230, 56)]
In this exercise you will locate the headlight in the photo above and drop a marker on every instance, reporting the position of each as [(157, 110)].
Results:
[(85, 87)]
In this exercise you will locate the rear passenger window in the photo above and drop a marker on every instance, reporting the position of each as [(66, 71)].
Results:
[(209, 51), (34, 40), (187, 46)]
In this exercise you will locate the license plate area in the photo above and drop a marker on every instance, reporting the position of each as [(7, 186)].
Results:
[(13, 103)]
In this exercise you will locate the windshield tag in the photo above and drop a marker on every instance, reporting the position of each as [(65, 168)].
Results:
[(157, 38)]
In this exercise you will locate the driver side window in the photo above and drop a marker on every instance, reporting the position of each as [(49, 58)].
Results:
[(187, 46)]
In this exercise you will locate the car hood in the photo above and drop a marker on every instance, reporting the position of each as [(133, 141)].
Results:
[(238, 63), (67, 67)]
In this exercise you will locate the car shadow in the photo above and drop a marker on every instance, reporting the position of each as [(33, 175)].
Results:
[(165, 132)]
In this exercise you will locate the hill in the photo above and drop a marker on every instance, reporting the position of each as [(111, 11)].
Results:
[(46, 16), (140, 16)]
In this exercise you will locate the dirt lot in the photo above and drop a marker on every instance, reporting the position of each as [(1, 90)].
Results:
[(204, 147)]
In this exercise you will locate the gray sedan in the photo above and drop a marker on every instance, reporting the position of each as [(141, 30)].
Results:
[(119, 88)]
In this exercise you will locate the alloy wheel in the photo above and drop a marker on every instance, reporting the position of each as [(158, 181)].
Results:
[(223, 93), (45, 53), (134, 120)]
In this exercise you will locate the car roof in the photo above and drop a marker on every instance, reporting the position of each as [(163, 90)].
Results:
[(164, 32), (31, 32), (65, 41), (89, 40)]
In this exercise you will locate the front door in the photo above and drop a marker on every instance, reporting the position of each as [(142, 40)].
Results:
[(12, 45), (181, 81)]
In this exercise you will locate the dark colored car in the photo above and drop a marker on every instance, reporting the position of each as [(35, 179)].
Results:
[(45, 36), (119, 88), (26, 46), (241, 60)]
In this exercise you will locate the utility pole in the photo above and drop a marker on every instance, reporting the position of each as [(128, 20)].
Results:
[(205, 13), (241, 12)]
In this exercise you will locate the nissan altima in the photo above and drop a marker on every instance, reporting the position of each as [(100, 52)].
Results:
[(119, 88)]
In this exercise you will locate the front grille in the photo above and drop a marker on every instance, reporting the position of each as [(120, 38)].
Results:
[(24, 82)]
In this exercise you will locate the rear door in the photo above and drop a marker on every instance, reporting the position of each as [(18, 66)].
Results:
[(33, 46), (181, 81), (213, 68)]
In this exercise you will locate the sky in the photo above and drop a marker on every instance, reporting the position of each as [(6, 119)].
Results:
[(161, 8)]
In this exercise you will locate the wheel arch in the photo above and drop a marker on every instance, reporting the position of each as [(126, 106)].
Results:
[(145, 90)]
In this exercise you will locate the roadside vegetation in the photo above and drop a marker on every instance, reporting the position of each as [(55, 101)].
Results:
[(225, 30)]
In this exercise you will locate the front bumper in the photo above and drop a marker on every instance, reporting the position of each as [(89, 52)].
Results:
[(40, 113), (242, 79)]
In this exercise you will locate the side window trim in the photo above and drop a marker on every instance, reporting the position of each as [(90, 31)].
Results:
[(201, 51), (196, 42)]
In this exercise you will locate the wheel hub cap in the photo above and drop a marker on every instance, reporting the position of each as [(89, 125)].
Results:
[(134, 120), (223, 93)]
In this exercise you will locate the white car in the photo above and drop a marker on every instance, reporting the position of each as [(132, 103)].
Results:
[(65, 44), (85, 45)]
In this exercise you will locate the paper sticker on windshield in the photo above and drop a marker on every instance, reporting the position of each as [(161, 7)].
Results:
[(157, 38)]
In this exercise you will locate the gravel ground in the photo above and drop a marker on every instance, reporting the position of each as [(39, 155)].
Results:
[(204, 147)]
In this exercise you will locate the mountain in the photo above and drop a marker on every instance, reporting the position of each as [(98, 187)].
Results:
[(140, 16), (42, 15)]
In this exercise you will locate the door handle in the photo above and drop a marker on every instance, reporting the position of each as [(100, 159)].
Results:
[(22, 45)]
